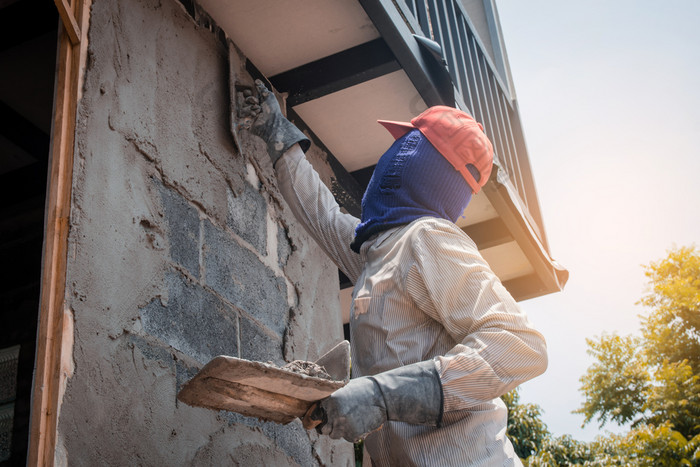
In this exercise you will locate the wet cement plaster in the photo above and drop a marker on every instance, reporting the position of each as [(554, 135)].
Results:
[(167, 268)]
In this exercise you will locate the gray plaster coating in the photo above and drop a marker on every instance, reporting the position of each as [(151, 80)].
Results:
[(194, 321), (291, 438), (237, 274), (183, 229), (247, 216), (154, 169), (256, 344)]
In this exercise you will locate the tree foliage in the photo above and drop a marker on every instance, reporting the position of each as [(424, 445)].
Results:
[(672, 327), (643, 446), (526, 430), (563, 450), (654, 378), (675, 398), (651, 381), (616, 384)]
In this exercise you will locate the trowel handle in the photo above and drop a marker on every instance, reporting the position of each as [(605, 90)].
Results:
[(315, 417)]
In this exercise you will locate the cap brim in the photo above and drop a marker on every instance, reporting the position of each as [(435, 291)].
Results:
[(397, 129)]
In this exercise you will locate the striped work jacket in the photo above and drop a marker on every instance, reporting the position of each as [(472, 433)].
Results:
[(423, 291)]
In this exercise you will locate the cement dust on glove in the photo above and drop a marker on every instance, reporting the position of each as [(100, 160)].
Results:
[(270, 124)]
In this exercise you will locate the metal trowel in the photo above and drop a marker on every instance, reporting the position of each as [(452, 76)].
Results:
[(240, 88), (262, 390)]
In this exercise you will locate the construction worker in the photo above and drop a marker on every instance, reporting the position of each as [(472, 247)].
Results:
[(436, 338)]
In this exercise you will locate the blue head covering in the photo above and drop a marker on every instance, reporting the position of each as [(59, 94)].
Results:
[(411, 180)]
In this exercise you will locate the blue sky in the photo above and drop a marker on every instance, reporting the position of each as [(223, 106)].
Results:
[(608, 95)]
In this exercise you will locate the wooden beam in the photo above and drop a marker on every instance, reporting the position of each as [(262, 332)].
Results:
[(70, 25), (53, 341)]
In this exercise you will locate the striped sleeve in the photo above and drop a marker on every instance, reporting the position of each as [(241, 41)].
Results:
[(315, 208), (496, 347)]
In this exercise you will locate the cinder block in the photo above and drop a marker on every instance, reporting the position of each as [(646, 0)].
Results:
[(239, 276), (183, 373), (183, 229), (193, 321), (151, 350), (293, 440), (258, 345), (247, 216)]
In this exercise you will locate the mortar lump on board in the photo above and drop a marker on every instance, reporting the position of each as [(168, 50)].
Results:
[(303, 367)]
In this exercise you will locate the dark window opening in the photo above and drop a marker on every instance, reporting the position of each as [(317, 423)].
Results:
[(28, 46)]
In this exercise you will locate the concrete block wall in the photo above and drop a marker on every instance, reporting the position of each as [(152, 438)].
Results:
[(181, 249)]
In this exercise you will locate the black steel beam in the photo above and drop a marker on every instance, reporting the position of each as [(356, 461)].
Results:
[(336, 72), (363, 176), (415, 62)]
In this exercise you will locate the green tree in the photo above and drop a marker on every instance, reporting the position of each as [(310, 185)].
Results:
[(615, 385), (649, 445), (653, 379), (562, 450), (672, 327), (526, 430), (643, 446), (675, 398)]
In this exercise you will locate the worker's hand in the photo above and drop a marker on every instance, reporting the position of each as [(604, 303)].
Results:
[(411, 394), (248, 105), (269, 110), (353, 410), (270, 124)]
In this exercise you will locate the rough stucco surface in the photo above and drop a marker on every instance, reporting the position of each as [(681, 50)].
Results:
[(180, 250)]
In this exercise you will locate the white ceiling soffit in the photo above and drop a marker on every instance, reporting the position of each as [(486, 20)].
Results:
[(355, 111), (508, 261), (479, 209), (279, 36)]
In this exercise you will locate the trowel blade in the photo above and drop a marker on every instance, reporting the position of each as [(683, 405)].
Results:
[(336, 361), (255, 389)]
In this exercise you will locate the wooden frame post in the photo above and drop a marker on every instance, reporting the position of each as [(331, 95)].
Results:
[(54, 338)]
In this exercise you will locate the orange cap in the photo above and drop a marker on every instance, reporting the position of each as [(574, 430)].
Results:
[(456, 135)]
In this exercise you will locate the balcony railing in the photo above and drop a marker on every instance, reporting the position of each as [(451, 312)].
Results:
[(479, 88)]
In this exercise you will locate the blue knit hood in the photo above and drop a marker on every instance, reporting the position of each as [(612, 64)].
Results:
[(411, 180)]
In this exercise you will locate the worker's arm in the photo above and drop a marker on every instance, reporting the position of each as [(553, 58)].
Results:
[(310, 200), (315, 208), (497, 347)]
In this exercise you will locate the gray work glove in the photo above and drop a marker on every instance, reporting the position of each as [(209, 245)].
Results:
[(410, 394), (272, 126)]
